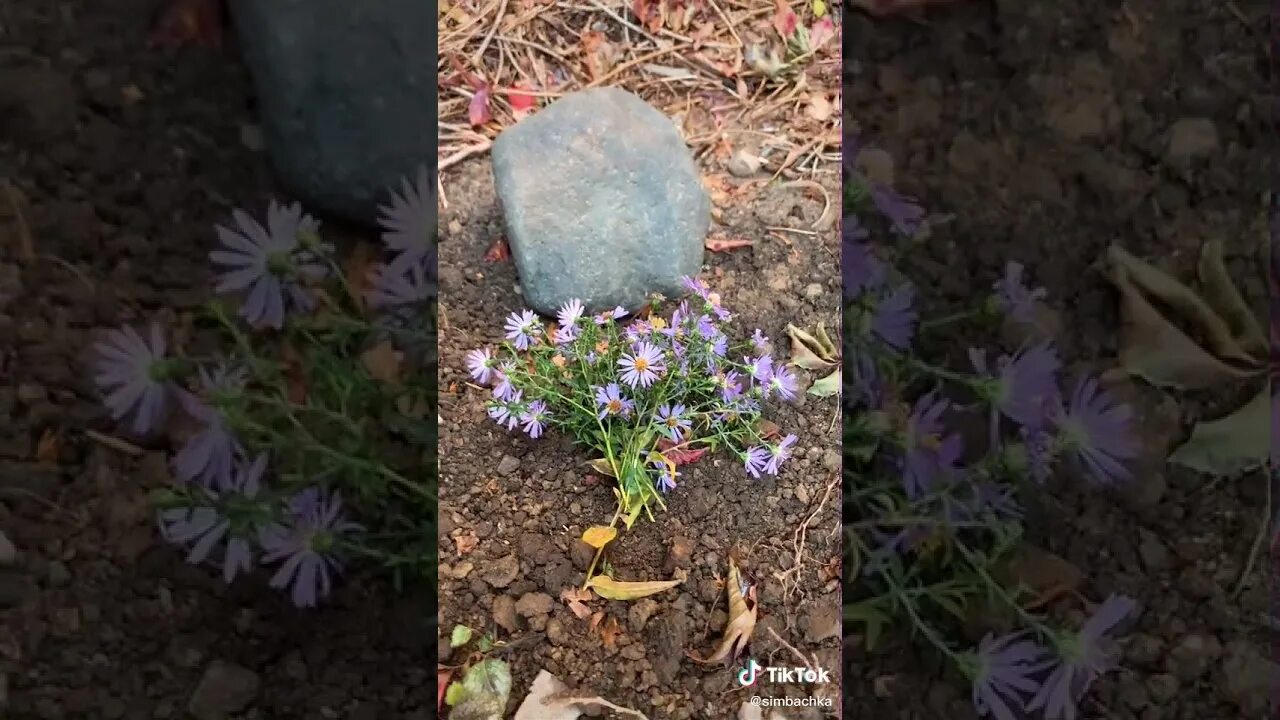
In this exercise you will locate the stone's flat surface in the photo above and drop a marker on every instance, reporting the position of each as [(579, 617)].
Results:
[(602, 202), (346, 93)]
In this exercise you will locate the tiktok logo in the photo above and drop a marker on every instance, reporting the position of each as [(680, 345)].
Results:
[(747, 675)]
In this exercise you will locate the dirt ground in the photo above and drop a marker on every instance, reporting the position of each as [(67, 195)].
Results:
[(122, 159), (1041, 132), (537, 510)]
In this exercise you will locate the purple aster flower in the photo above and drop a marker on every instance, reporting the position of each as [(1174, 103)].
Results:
[(504, 388), (864, 378), (1025, 386), (523, 328), (928, 456), (1096, 431), (695, 286), (535, 418), (208, 457), (859, 268), (1013, 296), (782, 381), (720, 346), (409, 224), (611, 402), (903, 212), (730, 385), (1003, 674), (642, 366), (610, 315), (760, 369), (480, 365), (706, 327), (506, 410), (306, 546), (672, 421), (779, 454), (667, 478), (570, 313), (894, 320), (399, 287), (756, 459), (207, 525), (1038, 446), (759, 341), (269, 263), (1084, 657), (132, 373)]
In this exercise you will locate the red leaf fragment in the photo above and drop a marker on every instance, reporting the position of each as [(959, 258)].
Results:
[(442, 686), (725, 244), (180, 23), (478, 109), (522, 103), (498, 251), (785, 20), (680, 456), (821, 32)]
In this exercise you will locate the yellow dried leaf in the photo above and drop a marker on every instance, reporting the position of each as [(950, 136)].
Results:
[(599, 535), (382, 361), (602, 466), (742, 621), (610, 589)]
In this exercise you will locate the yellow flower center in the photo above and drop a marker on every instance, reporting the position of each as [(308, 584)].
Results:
[(615, 406), (641, 364)]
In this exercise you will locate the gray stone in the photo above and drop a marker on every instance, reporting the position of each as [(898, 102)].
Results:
[(347, 94), (508, 465), (602, 202), (226, 688), (1193, 656), (501, 572)]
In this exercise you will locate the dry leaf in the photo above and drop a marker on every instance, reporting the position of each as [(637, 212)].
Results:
[(821, 33), (1155, 350), (48, 446), (478, 109), (1182, 299), (549, 699), (742, 621), (522, 103), (610, 589), (785, 20), (359, 269), (1232, 445), (383, 362), (599, 535), (1043, 573), (609, 632), (574, 598), (600, 54), (680, 456), (602, 466), (716, 243), (768, 429), (1221, 293), (808, 351), (498, 251), (442, 685), (466, 542)]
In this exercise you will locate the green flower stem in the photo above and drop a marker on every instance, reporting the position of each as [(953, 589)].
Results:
[(952, 318), (941, 372), (1003, 594), (925, 629)]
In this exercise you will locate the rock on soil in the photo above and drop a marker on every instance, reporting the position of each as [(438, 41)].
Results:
[(344, 101), (225, 688), (1247, 679), (601, 201), (501, 572)]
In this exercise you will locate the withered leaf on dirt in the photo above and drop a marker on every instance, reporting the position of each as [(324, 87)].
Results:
[(180, 23), (768, 429), (1232, 445), (522, 103), (609, 631), (784, 19), (478, 109), (550, 699), (827, 386), (742, 621), (1195, 310), (809, 352), (597, 536), (1156, 350), (600, 54), (1221, 293), (678, 455), (610, 589), (442, 685), (1041, 572), (466, 542), (716, 243), (48, 447), (383, 362), (602, 466), (498, 251), (574, 598)]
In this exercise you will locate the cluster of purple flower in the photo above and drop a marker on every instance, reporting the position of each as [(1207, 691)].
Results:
[(1012, 675), (648, 364), (275, 267), (222, 484)]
